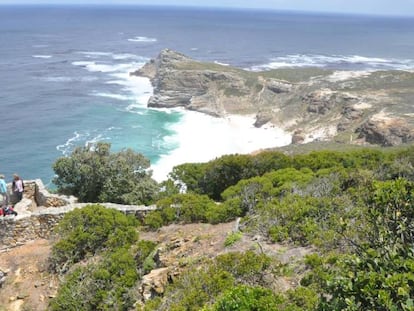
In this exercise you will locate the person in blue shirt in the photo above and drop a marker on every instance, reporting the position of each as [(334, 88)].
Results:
[(3, 191)]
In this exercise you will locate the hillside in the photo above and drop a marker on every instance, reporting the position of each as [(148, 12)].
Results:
[(325, 230), (313, 104), (29, 285)]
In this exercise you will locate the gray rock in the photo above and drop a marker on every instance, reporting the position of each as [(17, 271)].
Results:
[(389, 132)]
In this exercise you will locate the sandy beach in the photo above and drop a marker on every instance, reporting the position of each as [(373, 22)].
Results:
[(201, 138)]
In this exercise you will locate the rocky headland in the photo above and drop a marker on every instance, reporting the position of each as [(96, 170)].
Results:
[(310, 103)]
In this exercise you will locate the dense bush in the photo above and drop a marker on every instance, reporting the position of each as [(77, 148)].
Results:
[(94, 174), (143, 256), (247, 298), (187, 208), (213, 177), (380, 274), (188, 176), (106, 285), (87, 231), (248, 193)]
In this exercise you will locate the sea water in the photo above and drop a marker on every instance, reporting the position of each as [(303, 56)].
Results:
[(65, 82)]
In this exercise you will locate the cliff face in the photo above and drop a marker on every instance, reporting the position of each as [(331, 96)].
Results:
[(357, 107)]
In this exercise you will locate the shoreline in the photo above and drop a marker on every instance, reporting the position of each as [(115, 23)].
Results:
[(201, 138)]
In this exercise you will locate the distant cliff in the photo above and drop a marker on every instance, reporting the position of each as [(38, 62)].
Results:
[(313, 104)]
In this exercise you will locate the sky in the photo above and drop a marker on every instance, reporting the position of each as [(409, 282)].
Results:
[(377, 7)]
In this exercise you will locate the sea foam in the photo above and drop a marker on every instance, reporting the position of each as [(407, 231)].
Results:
[(42, 56), (142, 39), (201, 138), (352, 62)]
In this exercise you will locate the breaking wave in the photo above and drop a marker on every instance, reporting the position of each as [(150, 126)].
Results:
[(342, 62)]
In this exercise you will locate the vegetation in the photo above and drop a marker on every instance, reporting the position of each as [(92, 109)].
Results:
[(354, 209), (94, 174), (104, 283), (88, 231)]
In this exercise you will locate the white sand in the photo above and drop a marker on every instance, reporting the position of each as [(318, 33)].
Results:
[(202, 138), (346, 75), (320, 134)]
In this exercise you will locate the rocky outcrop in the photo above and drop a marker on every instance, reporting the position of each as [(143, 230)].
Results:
[(154, 283), (320, 101), (325, 106), (180, 81), (386, 131)]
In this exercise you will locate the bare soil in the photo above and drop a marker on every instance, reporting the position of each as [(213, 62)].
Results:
[(28, 285)]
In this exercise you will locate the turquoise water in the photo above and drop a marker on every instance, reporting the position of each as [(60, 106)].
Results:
[(64, 71)]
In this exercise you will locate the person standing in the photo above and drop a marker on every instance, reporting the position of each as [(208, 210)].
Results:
[(3, 191), (18, 187)]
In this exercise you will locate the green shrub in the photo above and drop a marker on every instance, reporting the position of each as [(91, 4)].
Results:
[(184, 208), (87, 231), (144, 252), (196, 287), (225, 212), (247, 267), (154, 220), (106, 285), (380, 274), (247, 298), (232, 238)]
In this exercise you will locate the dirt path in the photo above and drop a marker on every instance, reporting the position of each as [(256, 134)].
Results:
[(28, 286)]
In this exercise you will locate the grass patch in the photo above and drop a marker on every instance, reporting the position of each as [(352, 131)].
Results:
[(232, 238)]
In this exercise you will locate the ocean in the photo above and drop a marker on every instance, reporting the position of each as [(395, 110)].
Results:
[(64, 76)]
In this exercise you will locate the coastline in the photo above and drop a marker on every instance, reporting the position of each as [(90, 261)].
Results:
[(201, 138)]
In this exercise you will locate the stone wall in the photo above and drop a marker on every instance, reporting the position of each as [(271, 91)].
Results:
[(40, 211)]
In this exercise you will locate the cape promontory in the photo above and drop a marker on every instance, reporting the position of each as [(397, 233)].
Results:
[(362, 107)]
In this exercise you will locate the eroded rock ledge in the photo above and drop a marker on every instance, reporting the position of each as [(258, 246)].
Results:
[(312, 104)]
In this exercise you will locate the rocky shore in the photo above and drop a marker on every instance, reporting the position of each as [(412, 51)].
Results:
[(312, 104)]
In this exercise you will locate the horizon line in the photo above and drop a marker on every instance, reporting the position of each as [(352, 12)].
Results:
[(221, 8)]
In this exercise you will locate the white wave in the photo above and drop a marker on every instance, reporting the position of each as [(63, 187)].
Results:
[(96, 139), (137, 89), (136, 108), (121, 56), (335, 61), (126, 56), (113, 96), (111, 128), (57, 79), (140, 88), (201, 138), (84, 137), (94, 54), (42, 56), (69, 79), (66, 148), (105, 67), (223, 64), (142, 39)]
